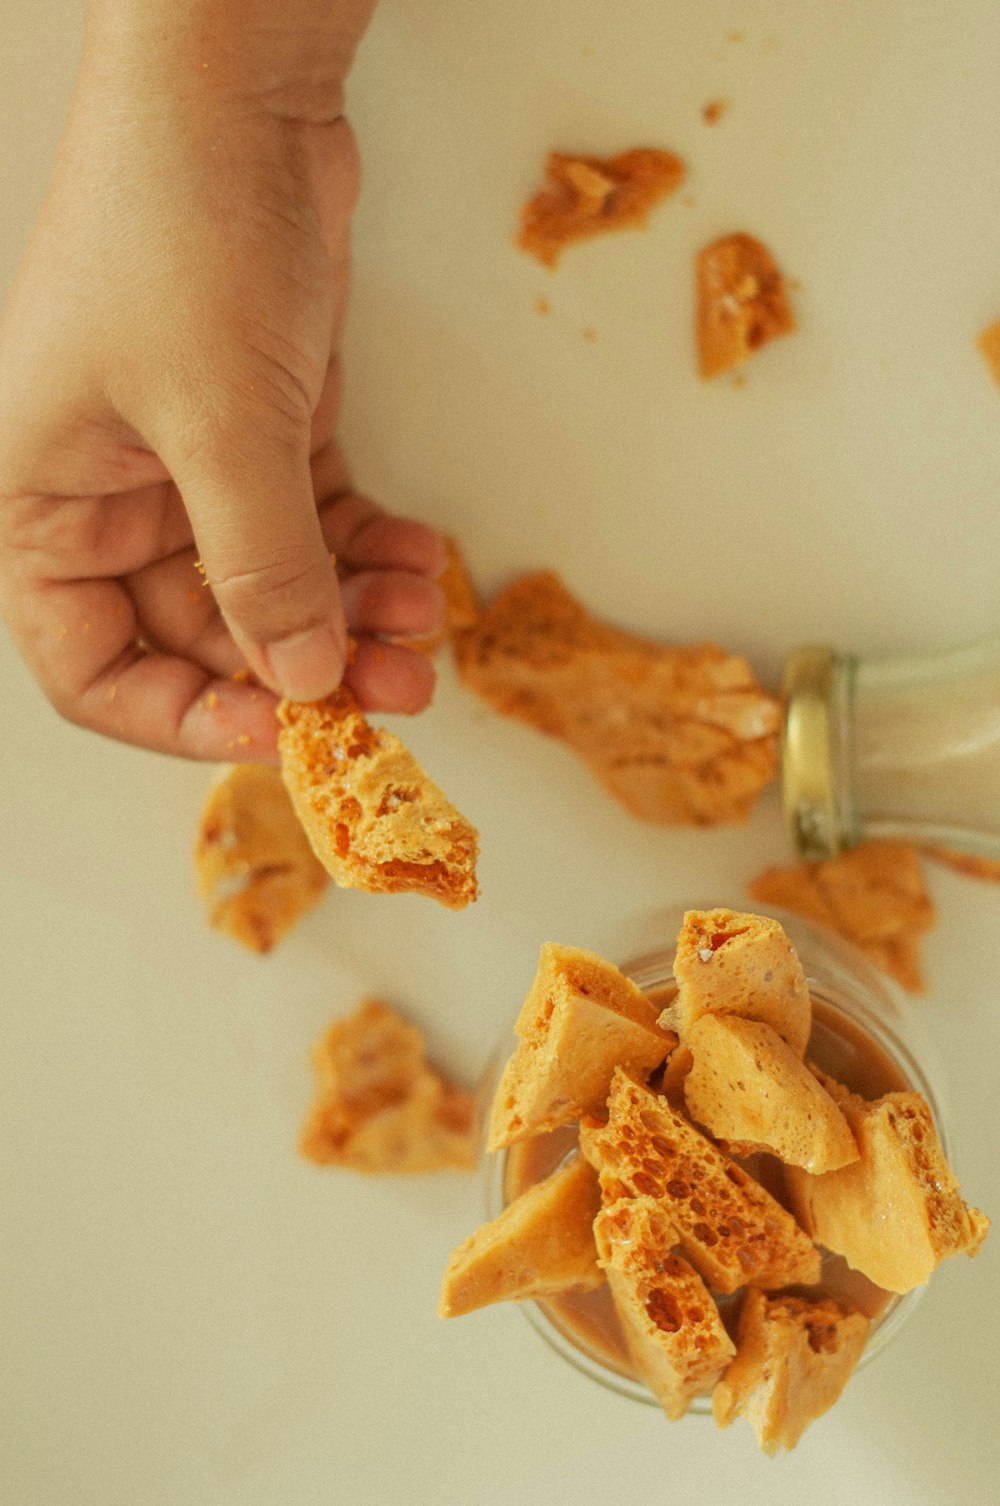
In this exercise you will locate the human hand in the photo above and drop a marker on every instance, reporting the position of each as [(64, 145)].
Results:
[(169, 381)]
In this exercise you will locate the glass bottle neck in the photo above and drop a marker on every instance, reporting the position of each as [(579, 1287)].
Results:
[(900, 748)]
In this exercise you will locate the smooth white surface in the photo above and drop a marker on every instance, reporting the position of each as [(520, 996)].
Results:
[(192, 1315)]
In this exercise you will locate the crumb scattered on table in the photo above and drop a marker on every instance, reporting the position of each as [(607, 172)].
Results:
[(874, 895), (379, 1107), (677, 734), (989, 345), (590, 195), (741, 302), (256, 872)]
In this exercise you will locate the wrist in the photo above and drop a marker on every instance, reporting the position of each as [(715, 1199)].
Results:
[(232, 47)]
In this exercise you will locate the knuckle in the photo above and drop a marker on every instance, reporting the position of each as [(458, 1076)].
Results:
[(52, 530)]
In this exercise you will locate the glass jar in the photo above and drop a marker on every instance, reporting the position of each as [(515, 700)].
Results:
[(898, 748), (852, 1008)]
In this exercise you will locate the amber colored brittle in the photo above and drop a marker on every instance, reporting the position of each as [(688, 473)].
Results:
[(540, 1244), (989, 346), (671, 1325), (459, 593), (730, 962), (374, 819), (590, 195), (460, 597), (741, 302), (967, 863), (873, 895), (750, 1090), (679, 735), (581, 1019), (728, 1226), (255, 869), (793, 1359), (379, 1107), (902, 1173)]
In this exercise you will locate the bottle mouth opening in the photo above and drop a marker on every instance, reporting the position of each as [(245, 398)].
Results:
[(816, 752)]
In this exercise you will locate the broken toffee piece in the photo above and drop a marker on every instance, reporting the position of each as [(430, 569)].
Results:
[(542, 1242), (742, 302), (379, 1107), (731, 963), (873, 895), (374, 819), (580, 1021), (989, 347), (727, 1225), (678, 734), (255, 869), (588, 196), (750, 1091), (671, 1325), (901, 1171), (793, 1359)]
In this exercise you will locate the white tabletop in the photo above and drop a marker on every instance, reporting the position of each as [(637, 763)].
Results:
[(193, 1315)]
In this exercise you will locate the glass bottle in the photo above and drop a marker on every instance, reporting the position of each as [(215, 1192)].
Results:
[(897, 748)]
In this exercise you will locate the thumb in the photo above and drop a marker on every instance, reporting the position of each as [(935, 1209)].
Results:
[(253, 511)]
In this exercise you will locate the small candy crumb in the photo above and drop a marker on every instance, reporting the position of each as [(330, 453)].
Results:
[(713, 112), (737, 36), (199, 567), (243, 740), (587, 196), (742, 302), (542, 306), (989, 348), (194, 596), (705, 953), (242, 676), (211, 700), (589, 334)]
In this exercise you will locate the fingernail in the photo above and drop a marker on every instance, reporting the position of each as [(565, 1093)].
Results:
[(307, 665)]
